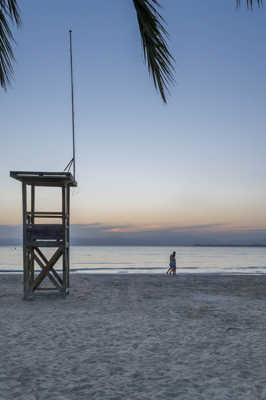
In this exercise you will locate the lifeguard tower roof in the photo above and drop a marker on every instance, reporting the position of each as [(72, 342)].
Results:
[(41, 178)]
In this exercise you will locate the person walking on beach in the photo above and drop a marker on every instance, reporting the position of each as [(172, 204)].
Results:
[(172, 265)]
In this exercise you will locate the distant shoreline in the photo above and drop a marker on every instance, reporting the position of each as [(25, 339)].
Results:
[(151, 245)]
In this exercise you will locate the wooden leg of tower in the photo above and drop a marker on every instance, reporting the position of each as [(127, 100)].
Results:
[(66, 270), (66, 199), (65, 280), (25, 275), (68, 239), (64, 221), (28, 266), (31, 255), (64, 250), (28, 289), (32, 203), (31, 269), (25, 249)]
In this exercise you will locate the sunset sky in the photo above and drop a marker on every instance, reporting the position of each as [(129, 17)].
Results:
[(191, 170)]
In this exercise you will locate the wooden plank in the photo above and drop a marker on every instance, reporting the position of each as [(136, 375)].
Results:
[(45, 243), (67, 238), (25, 259), (45, 270), (32, 203), (31, 251), (50, 183), (45, 232), (40, 178), (42, 256), (47, 216), (50, 264), (64, 221), (27, 275), (48, 212), (52, 279), (63, 204), (40, 173)]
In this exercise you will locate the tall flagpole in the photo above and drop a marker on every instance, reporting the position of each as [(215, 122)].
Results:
[(72, 98)]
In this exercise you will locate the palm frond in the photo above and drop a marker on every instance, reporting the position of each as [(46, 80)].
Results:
[(250, 3), (152, 30), (156, 53), (9, 12)]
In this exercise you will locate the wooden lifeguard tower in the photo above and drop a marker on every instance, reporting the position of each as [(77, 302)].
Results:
[(37, 236)]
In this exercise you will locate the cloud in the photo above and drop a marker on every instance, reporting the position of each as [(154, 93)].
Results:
[(10, 235), (202, 227), (112, 235), (208, 234)]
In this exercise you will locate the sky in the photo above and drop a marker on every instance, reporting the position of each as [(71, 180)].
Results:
[(189, 172)]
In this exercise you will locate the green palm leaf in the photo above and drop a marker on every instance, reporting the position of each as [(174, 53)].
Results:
[(249, 3), (152, 30), (156, 53), (9, 12)]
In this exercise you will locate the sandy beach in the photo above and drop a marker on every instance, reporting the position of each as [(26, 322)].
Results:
[(135, 337)]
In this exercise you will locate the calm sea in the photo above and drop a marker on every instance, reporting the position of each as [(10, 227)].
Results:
[(104, 259)]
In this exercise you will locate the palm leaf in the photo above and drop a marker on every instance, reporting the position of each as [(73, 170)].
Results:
[(250, 3), (156, 53), (9, 12), (152, 30)]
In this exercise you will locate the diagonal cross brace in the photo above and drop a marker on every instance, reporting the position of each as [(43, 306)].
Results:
[(47, 268), (49, 275), (42, 256)]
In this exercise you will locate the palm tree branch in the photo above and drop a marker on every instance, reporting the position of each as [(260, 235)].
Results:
[(249, 3), (152, 31), (11, 9), (6, 53), (153, 36), (8, 12)]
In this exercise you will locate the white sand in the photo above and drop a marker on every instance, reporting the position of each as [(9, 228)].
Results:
[(135, 337)]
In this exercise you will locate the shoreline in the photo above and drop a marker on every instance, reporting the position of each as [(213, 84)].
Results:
[(148, 245), (114, 272), (142, 271)]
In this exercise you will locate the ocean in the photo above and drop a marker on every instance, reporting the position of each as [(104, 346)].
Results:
[(129, 259)]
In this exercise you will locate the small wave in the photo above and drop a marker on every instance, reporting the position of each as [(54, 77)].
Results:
[(243, 268), (105, 263), (8, 271), (118, 268)]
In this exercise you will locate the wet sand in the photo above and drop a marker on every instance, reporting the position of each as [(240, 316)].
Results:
[(135, 337)]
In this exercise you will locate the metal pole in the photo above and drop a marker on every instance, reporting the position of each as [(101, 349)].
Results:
[(73, 114)]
